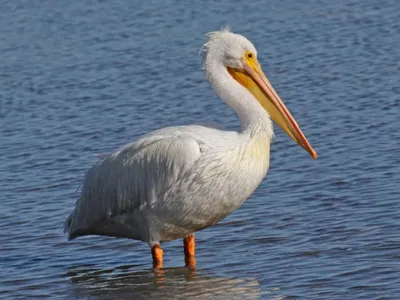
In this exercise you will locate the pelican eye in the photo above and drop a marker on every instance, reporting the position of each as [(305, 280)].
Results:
[(250, 55)]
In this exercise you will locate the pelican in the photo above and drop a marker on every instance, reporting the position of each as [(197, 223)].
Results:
[(175, 181)]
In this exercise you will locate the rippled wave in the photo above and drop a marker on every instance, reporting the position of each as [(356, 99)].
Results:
[(79, 78)]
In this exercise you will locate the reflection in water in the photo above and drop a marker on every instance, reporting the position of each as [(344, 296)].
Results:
[(168, 283)]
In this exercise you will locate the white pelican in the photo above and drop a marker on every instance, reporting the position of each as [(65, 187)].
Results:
[(178, 180)]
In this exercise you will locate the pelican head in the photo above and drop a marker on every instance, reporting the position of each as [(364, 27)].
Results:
[(233, 54)]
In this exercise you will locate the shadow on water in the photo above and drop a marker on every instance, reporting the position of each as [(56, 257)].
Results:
[(169, 283)]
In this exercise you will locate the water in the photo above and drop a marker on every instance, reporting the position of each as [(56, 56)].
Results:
[(84, 77)]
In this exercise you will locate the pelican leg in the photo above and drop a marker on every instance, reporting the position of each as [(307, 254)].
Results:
[(157, 254), (189, 246)]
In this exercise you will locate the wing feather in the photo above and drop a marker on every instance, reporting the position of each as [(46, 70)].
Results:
[(130, 178)]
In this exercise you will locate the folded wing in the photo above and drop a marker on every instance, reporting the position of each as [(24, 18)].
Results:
[(130, 178)]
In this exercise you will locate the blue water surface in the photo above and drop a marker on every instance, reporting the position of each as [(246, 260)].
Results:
[(79, 78)]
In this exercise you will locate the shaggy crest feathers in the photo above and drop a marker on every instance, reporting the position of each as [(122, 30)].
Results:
[(211, 36), (224, 44)]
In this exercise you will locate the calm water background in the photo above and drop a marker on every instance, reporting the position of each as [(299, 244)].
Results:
[(84, 77)]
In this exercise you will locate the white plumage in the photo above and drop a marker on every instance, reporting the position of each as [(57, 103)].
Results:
[(177, 180)]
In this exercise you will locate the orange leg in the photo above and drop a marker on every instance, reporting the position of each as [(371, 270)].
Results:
[(157, 254), (189, 245)]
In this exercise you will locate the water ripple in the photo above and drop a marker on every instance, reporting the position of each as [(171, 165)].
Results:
[(80, 78)]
